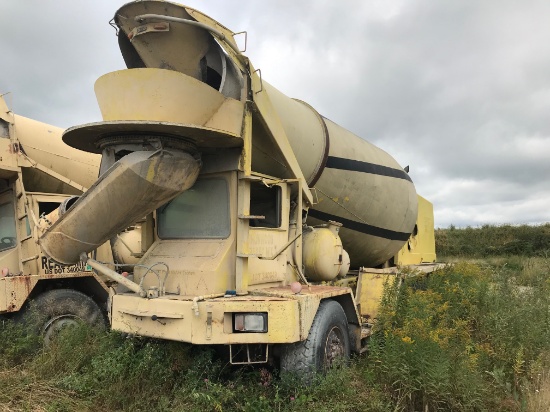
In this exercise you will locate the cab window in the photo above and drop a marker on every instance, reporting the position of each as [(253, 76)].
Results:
[(201, 212), (8, 236), (265, 201)]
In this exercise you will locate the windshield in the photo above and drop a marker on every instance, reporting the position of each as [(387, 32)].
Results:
[(200, 212)]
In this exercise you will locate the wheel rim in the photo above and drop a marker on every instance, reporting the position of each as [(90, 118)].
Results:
[(55, 325), (334, 346)]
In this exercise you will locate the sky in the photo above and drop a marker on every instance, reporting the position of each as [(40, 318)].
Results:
[(459, 90)]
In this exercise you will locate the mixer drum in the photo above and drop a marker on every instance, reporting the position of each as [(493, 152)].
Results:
[(356, 183)]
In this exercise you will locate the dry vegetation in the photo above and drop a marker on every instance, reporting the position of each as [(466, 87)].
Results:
[(473, 337)]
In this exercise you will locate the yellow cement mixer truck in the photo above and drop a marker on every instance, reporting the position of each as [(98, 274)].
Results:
[(39, 177), (38, 173), (267, 228)]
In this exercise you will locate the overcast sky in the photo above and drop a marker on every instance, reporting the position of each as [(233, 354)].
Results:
[(457, 89)]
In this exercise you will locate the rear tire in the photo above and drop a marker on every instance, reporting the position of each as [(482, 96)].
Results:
[(58, 309), (326, 345)]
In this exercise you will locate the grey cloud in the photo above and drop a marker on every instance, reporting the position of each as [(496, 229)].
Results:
[(53, 58), (459, 90)]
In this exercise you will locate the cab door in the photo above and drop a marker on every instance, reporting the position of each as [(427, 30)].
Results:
[(268, 233), (9, 251)]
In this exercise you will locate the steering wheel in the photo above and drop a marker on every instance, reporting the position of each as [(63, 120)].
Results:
[(8, 240)]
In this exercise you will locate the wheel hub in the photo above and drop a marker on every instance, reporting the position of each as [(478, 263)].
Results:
[(55, 325), (334, 347)]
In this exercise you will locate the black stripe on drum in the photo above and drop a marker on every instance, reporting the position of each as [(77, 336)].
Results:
[(365, 167), (360, 227)]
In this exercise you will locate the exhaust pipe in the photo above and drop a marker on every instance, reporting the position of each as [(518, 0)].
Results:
[(132, 188)]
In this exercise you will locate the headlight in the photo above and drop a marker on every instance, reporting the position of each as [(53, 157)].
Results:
[(250, 322)]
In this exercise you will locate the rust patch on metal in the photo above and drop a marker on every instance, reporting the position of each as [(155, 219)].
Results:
[(21, 287), (322, 291)]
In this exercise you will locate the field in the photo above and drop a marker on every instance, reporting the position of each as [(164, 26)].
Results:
[(472, 337)]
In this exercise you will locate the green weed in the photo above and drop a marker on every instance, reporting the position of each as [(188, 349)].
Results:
[(470, 337), (464, 338)]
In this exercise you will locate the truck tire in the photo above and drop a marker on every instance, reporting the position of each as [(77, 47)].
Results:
[(327, 343), (57, 309)]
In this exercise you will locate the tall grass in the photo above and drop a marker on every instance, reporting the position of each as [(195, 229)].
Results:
[(463, 339), (468, 338), (87, 370), (491, 240), (472, 337)]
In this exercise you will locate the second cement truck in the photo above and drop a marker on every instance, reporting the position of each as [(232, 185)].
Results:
[(39, 176), (255, 206), (38, 173)]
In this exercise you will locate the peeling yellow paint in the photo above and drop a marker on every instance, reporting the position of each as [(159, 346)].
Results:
[(151, 172)]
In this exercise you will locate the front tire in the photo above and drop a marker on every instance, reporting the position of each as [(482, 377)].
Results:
[(326, 345), (58, 309)]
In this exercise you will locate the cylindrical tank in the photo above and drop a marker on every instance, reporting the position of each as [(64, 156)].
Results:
[(344, 267), (356, 183), (42, 143), (127, 247), (322, 252)]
